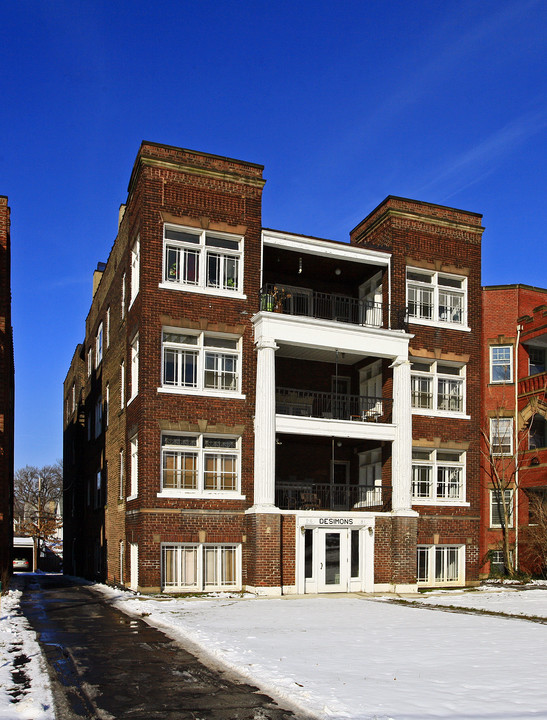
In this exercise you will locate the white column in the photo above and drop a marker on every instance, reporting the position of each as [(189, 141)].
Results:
[(264, 464), (401, 459)]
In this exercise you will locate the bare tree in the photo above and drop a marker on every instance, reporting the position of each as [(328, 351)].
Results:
[(534, 535), (37, 498), (501, 452)]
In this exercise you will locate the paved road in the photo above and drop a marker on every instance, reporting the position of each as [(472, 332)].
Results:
[(105, 664)]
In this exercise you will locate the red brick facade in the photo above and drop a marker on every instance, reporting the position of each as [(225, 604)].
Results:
[(514, 316)]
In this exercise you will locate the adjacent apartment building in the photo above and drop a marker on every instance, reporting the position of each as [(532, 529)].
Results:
[(514, 464), (256, 409), (6, 393)]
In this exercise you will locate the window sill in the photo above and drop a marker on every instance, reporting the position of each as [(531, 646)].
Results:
[(439, 324), (178, 287), (441, 413), (196, 589), (423, 502), (210, 494), (205, 393), (128, 403), (131, 497)]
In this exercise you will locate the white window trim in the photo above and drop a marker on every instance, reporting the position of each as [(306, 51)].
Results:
[(121, 476), (200, 585), (99, 339), (200, 491), (134, 467), (201, 288), (107, 330), (201, 349), (511, 493), (510, 437), (431, 581), (122, 385), (135, 271), (123, 296), (436, 288), (134, 353), (510, 366), (434, 464), (89, 362), (435, 376)]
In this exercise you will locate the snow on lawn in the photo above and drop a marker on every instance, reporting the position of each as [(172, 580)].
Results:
[(531, 602), (351, 657), (24, 683)]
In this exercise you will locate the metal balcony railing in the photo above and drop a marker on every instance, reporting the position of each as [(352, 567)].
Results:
[(325, 306), (332, 406), (328, 496)]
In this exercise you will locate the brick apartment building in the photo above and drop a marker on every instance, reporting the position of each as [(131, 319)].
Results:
[(6, 392), (254, 409), (514, 422)]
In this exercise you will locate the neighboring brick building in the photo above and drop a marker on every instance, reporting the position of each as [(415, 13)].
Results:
[(514, 392), (6, 393), (254, 409)]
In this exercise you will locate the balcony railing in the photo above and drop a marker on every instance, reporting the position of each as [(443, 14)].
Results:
[(533, 384), (332, 406), (327, 496), (325, 306)]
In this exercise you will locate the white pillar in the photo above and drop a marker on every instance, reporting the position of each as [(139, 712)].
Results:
[(401, 460), (264, 461)]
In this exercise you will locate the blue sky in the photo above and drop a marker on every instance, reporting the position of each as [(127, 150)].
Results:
[(344, 103)]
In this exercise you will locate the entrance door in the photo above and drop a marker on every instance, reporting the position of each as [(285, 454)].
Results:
[(332, 561)]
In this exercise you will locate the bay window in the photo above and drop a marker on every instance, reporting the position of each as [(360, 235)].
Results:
[(203, 260)]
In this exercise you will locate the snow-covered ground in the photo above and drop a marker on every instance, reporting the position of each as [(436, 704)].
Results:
[(339, 657), (24, 684), (364, 659)]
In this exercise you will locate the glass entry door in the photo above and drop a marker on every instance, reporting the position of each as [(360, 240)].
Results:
[(332, 561)]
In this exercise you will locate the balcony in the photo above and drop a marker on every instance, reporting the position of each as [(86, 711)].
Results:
[(331, 497), (324, 306), (332, 406)]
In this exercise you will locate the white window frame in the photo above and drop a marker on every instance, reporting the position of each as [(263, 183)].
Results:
[(134, 350), (496, 509), (122, 384), (426, 293), (192, 451), (497, 361), (135, 269), (73, 397), (194, 245), (89, 362), (121, 476), (429, 383), (99, 346), (106, 404), (123, 296), (501, 442), (428, 464), (206, 360), (190, 563), (107, 328), (133, 467), (430, 554)]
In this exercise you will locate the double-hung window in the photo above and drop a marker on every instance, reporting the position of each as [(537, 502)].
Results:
[(438, 476), (440, 564), (499, 516), (438, 386), (436, 297), (199, 259), (201, 566), (99, 346), (201, 362), (134, 467), (501, 436), (200, 465), (501, 364), (134, 367)]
